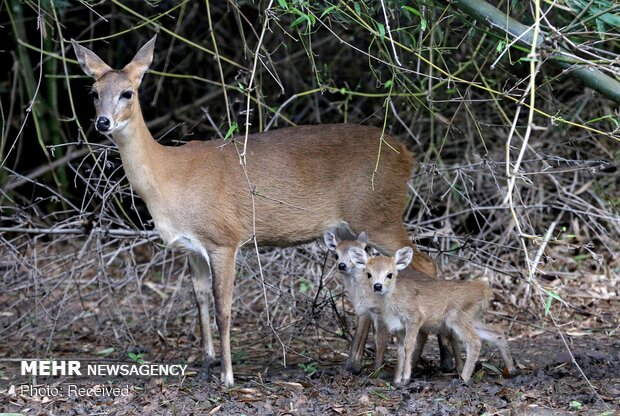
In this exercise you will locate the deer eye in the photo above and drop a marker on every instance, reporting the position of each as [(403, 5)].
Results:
[(336, 255), (127, 95), (94, 94), (369, 275), (389, 275)]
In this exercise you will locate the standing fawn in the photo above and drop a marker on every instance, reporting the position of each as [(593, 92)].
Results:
[(361, 299), (365, 304), (302, 180), (412, 308)]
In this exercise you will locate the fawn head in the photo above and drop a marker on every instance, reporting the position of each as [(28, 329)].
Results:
[(341, 249), (381, 271), (115, 92)]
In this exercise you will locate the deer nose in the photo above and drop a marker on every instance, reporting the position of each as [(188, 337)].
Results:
[(103, 124), (377, 287), (342, 266)]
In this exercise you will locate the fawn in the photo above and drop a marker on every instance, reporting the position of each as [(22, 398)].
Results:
[(361, 299), (414, 307), (365, 304), (300, 182)]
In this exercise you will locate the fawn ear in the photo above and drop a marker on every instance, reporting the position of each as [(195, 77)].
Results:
[(403, 257), (140, 63), (90, 63), (358, 257), (331, 241), (363, 238)]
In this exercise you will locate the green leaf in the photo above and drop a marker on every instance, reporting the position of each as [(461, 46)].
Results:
[(500, 46), (136, 357), (550, 296), (423, 24), (575, 405), (412, 10), (234, 128), (381, 31), (328, 10), (358, 9), (283, 4)]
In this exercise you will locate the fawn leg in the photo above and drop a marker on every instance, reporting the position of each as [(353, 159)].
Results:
[(354, 362), (498, 338), (381, 340), (410, 342), (422, 337)]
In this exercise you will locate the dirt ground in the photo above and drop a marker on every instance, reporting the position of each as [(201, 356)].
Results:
[(295, 366), (314, 382)]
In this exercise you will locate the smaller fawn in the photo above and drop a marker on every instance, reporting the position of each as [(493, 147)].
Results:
[(363, 300), (412, 308)]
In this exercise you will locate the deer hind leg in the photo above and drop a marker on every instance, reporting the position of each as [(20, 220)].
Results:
[(223, 268), (456, 351), (422, 337), (201, 272), (354, 362), (498, 338), (467, 333), (381, 340)]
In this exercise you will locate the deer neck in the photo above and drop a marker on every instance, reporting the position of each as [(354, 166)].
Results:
[(141, 156)]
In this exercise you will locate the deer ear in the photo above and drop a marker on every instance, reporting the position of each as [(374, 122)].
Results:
[(363, 238), (403, 257), (331, 241), (358, 257), (141, 62), (91, 64)]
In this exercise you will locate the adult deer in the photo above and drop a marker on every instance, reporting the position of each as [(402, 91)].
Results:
[(302, 180)]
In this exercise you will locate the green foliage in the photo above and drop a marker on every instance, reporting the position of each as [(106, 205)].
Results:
[(309, 368), (575, 405), (137, 357)]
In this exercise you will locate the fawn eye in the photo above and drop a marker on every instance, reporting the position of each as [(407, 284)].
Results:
[(94, 94), (369, 275), (127, 95), (389, 275), (336, 255)]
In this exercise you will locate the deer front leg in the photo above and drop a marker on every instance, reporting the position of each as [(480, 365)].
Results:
[(410, 343), (201, 272), (445, 357), (419, 347), (359, 342), (381, 340), (398, 374), (223, 269)]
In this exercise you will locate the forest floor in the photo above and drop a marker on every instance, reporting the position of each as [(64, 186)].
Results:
[(299, 368)]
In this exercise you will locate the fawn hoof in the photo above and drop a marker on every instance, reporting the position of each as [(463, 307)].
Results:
[(401, 383), (446, 366), (204, 375), (353, 368)]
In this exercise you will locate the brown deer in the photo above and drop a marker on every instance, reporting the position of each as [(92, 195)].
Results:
[(365, 304), (413, 307), (302, 180)]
